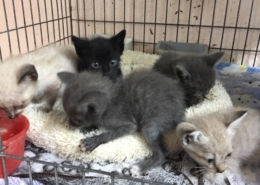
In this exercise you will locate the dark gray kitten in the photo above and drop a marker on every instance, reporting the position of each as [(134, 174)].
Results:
[(144, 101), (195, 73)]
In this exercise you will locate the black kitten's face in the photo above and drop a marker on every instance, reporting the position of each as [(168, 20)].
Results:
[(108, 63), (101, 54)]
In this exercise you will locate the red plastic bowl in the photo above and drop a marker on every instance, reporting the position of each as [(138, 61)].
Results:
[(13, 134)]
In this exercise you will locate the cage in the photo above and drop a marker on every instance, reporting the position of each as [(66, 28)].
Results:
[(231, 26)]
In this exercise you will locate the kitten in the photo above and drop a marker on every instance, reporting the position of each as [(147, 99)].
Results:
[(33, 77), (222, 142), (101, 54), (195, 73), (144, 101)]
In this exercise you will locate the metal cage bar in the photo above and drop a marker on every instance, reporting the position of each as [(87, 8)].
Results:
[(112, 175), (65, 19), (248, 26), (193, 18)]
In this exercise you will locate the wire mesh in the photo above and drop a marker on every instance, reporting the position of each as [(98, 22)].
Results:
[(112, 175), (30, 24), (231, 26), (227, 25)]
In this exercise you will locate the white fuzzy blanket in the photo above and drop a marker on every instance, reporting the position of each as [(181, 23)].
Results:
[(51, 131)]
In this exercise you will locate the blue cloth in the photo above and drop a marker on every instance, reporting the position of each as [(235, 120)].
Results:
[(241, 82)]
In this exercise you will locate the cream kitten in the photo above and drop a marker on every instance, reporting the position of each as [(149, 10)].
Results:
[(33, 77), (222, 142)]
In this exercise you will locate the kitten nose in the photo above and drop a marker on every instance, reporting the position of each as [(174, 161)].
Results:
[(10, 114), (221, 168), (106, 74)]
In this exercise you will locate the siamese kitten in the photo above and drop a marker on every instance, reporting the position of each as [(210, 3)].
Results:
[(33, 77), (223, 142), (101, 54), (144, 101), (195, 73)]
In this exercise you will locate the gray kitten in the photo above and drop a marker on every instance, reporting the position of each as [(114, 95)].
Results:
[(195, 73), (144, 101)]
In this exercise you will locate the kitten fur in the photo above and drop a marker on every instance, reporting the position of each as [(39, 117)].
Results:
[(195, 73), (33, 77), (222, 142), (144, 101), (101, 54)]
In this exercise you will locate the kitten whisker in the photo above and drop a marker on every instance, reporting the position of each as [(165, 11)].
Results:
[(199, 167), (201, 173), (197, 171)]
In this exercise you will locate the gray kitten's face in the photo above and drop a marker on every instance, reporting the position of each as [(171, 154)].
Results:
[(83, 104), (195, 73), (82, 115), (87, 110)]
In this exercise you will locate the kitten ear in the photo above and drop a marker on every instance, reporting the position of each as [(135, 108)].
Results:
[(118, 40), (76, 40), (188, 134), (66, 77), (27, 73), (231, 130), (182, 73), (194, 137), (229, 117), (81, 46), (212, 59)]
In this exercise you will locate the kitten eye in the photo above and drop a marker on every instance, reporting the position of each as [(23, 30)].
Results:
[(95, 65), (228, 155), (210, 161), (113, 62), (75, 120)]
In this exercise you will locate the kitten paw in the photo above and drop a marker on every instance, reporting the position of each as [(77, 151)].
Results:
[(86, 130), (88, 144), (126, 172), (169, 167), (215, 178), (135, 171)]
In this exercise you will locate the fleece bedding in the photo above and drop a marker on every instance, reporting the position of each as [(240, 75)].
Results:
[(51, 131), (51, 139)]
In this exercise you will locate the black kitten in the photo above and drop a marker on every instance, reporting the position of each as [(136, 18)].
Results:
[(100, 54), (144, 101), (195, 73)]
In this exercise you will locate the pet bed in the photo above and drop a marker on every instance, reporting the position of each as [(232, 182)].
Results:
[(230, 75), (51, 131), (54, 141)]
